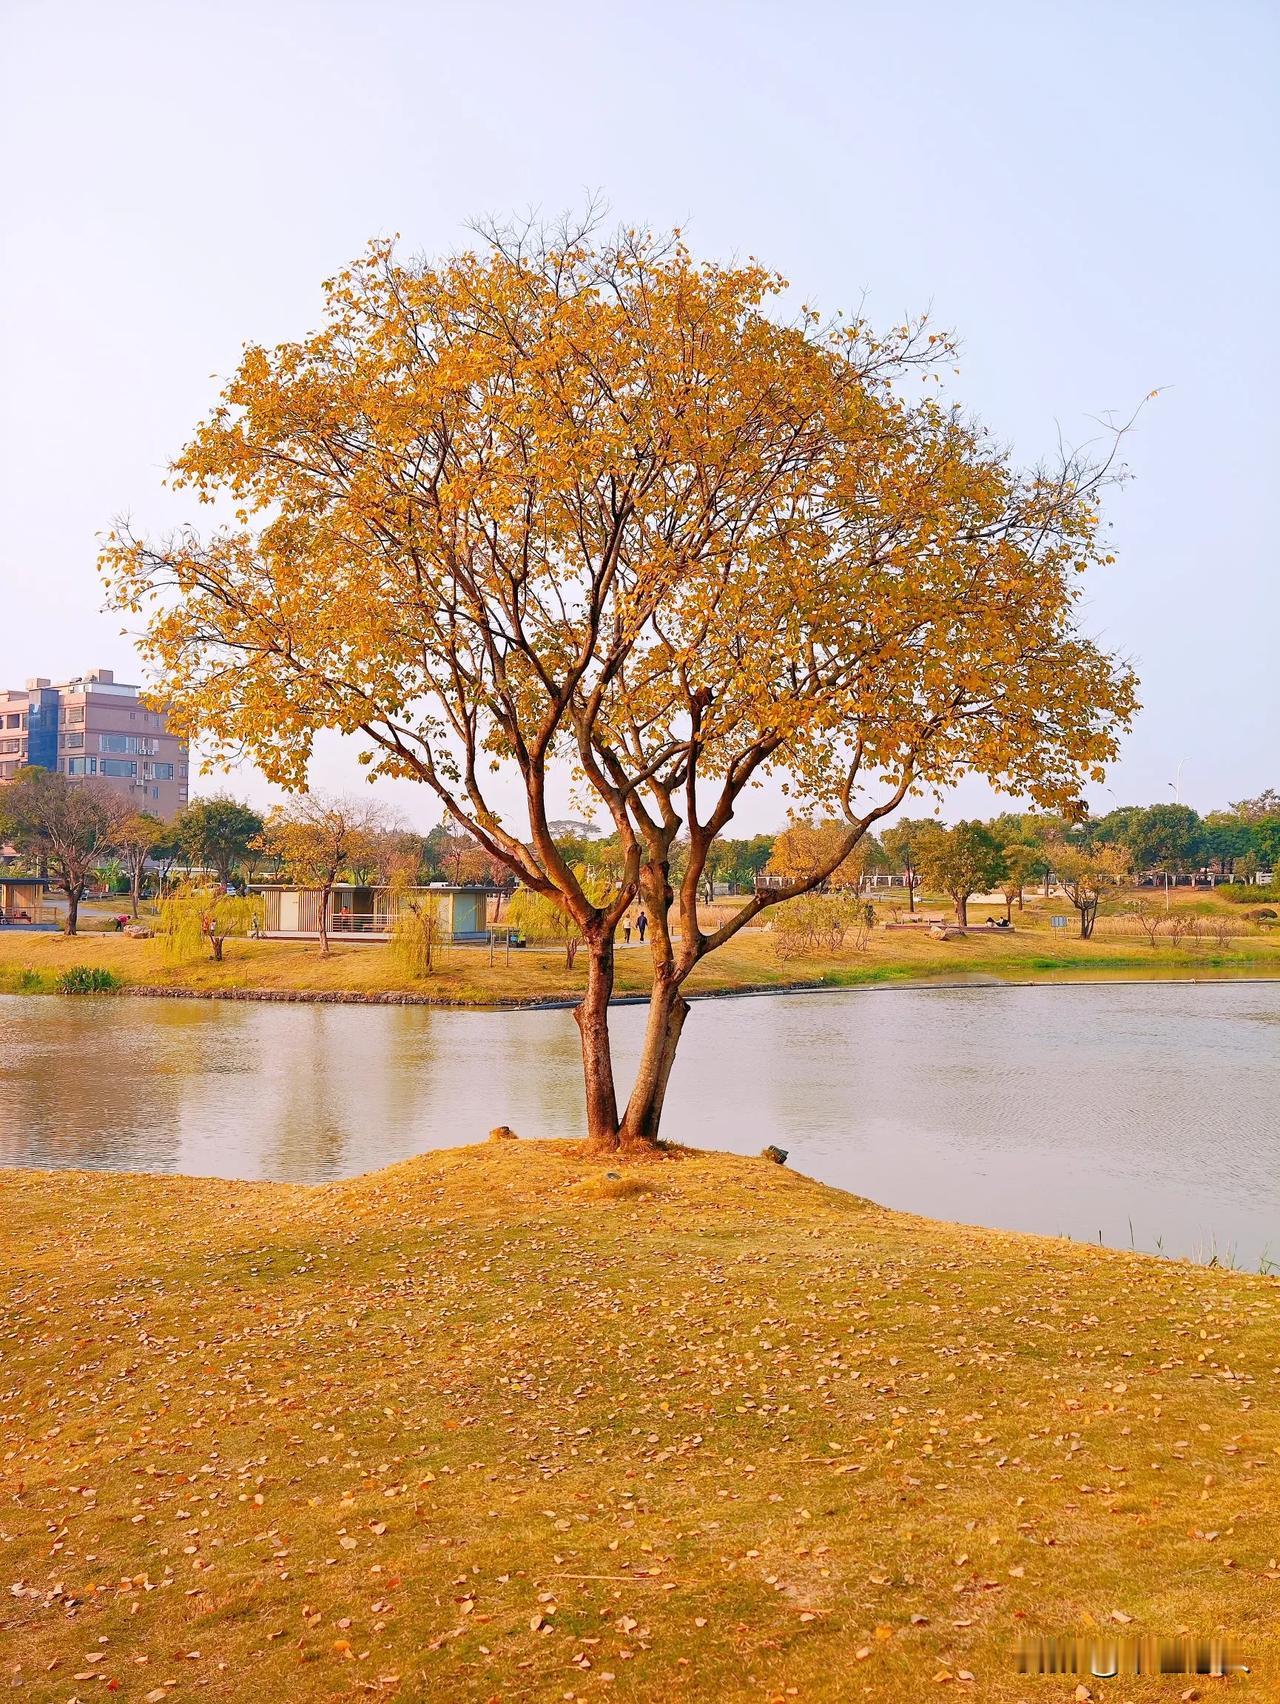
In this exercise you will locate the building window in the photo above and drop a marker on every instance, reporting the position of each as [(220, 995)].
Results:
[(74, 717), (160, 771), (72, 742), (13, 719), (155, 792), (126, 742), (120, 767), (82, 766), (10, 745)]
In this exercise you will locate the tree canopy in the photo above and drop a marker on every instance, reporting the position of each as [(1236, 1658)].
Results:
[(962, 861), (316, 840), (136, 837), (1085, 873), (219, 833), (903, 844), (1168, 837), (570, 499), (72, 826), (806, 846)]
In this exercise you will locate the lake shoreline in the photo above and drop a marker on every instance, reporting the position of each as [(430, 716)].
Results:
[(890, 1098), (539, 979), (557, 1003)]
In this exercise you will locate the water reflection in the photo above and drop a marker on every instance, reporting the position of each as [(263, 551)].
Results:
[(1059, 1109)]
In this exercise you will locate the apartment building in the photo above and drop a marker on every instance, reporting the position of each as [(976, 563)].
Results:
[(95, 725)]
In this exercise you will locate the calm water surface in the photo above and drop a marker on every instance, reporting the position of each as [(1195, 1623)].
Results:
[(1073, 1110)]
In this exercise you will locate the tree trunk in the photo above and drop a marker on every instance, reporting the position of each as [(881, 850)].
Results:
[(135, 890), (667, 1011), (324, 921), (215, 941), (73, 908), (592, 1019), (1088, 917), (962, 908), (1008, 908), (911, 893)]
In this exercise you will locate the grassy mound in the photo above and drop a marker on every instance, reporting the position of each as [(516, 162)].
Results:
[(478, 1427)]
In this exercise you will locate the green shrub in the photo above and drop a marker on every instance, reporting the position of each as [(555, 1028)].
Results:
[(1242, 893), (87, 979)]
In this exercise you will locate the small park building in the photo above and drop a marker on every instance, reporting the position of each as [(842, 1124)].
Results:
[(21, 899), (369, 913)]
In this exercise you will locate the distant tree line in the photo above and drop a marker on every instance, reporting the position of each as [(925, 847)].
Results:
[(1238, 841), (1004, 854), (80, 831)]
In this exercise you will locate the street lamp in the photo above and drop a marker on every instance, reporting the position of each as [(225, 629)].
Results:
[(1176, 785)]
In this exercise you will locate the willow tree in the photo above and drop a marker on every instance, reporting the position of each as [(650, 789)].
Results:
[(568, 504)]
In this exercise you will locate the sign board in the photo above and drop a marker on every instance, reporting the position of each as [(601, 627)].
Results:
[(1058, 922)]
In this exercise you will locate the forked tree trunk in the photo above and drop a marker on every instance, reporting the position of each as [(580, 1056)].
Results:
[(637, 1129), (592, 1019), (667, 1011), (73, 908)]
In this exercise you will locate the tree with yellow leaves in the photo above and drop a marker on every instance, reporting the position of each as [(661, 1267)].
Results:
[(192, 917), (805, 846), (567, 500), (315, 840)]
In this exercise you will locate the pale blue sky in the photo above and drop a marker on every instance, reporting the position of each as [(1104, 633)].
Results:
[(1087, 193)]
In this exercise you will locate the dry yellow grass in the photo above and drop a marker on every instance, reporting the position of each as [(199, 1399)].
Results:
[(452, 1431)]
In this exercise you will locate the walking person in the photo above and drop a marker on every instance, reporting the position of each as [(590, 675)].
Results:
[(626, 931), (642, 924)]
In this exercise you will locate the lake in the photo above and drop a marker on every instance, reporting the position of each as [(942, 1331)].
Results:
[(1148, 1113)]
